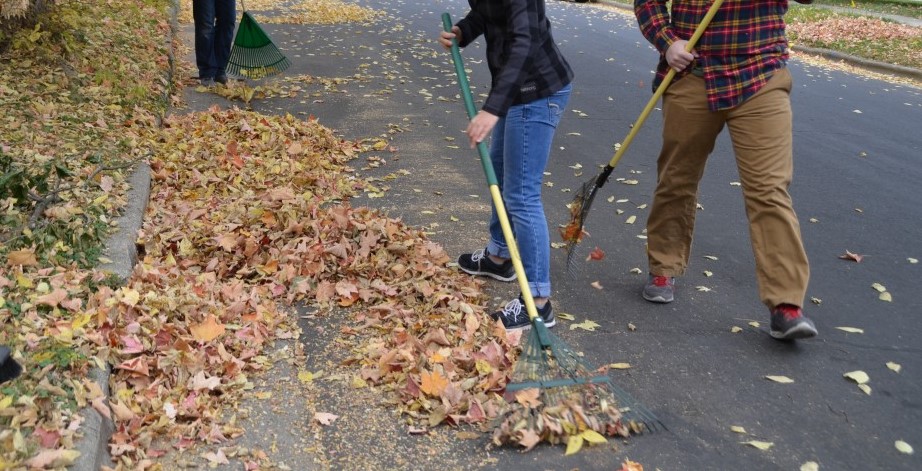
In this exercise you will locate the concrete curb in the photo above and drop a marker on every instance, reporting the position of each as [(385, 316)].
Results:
[(872, 65), (121, 248)]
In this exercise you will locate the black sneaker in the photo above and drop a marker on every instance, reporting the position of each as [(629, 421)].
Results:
[(222, 79), (479, 263), (515, 316), (789, 323), (659, 289)]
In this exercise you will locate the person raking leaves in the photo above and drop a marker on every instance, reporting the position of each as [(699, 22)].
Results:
[(529, 90), (737, 77)]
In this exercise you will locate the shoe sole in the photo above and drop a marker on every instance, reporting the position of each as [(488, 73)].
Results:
[(657, 299), (795, 333), (528, 326), (486, 273)]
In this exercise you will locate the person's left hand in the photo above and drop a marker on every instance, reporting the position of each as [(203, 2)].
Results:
[(480, 126)]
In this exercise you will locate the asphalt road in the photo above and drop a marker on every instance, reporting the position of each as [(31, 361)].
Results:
[(858, 151)]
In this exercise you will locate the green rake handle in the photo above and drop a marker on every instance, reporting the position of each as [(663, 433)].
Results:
[(603, 177), (487, 164)]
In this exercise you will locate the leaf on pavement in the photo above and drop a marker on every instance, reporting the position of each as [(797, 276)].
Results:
[(759, 444), (858, 376), (737, 429), (574, 444), (780, 379), (325, 418), (894, 366), (851, 330), (851, 256), (596, 254), (903, 447), (585, 325)]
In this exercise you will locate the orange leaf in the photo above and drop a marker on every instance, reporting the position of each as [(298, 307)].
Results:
[(596, 254), (434, 384), (208, 330), (629, 465)]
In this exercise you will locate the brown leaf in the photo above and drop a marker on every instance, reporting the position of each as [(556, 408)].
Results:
[(596, 254), (851, 256), (24, 257)]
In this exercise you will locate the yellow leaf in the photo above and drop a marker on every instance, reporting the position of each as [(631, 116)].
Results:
[(865, 388), (851, 330), (758, 444), (754, 324), (859, 377), (24, 282), (593, 437), (737, 429), (565, 316), (483, 367), (585, 325), (879, 287), (736, 329), (894, 366), (631, 220), (130, 296), (305, 377), (208, 330), (780, 379), (810, 466), (886, 296), (574, 444), (620, 366), (81, 320), (903, 447), (358, 382), (7, 401)]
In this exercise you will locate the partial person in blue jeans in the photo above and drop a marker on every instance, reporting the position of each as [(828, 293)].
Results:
[(214, 36), (529, 91)]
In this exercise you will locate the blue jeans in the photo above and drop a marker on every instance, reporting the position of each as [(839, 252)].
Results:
[(520, 147), (214, 35)]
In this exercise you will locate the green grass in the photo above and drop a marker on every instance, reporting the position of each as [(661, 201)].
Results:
[(910, 8)]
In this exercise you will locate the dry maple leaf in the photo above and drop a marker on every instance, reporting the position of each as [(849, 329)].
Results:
[(851, 256), (208, 330), (433, 383)]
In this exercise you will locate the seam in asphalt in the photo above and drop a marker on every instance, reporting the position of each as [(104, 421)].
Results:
[(121, 247)]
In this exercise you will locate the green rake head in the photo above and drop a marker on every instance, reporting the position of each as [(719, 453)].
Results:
[(253, 54), (556, 395)]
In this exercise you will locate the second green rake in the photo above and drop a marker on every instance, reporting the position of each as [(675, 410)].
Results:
[(557, 396)]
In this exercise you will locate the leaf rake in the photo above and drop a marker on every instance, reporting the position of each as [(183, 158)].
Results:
[(557, 396), (253, 54), (573, 232)]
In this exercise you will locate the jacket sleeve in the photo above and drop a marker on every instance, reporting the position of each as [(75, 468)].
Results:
[(471, 27), (653, 18), (522, 22)]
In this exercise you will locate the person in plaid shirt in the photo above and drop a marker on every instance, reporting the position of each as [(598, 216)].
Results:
[(736, 76), (529, 90)]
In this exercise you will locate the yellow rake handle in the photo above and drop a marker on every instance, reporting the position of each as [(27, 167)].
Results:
[(665, 84)]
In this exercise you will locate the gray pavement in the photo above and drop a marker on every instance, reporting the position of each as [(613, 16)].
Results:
[(857, 145)]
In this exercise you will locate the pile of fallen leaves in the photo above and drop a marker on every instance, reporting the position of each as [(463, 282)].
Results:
[(872, 38)]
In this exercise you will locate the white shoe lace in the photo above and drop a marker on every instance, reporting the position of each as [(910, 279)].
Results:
[(513, 309), (478, 255)]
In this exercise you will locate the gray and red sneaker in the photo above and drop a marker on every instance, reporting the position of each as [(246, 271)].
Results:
[(789, 323), (659, 289)]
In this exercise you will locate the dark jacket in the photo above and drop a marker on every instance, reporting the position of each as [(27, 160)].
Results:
[(524, 61)]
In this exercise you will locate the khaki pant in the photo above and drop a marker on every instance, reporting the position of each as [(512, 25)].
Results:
[(760, 130)]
